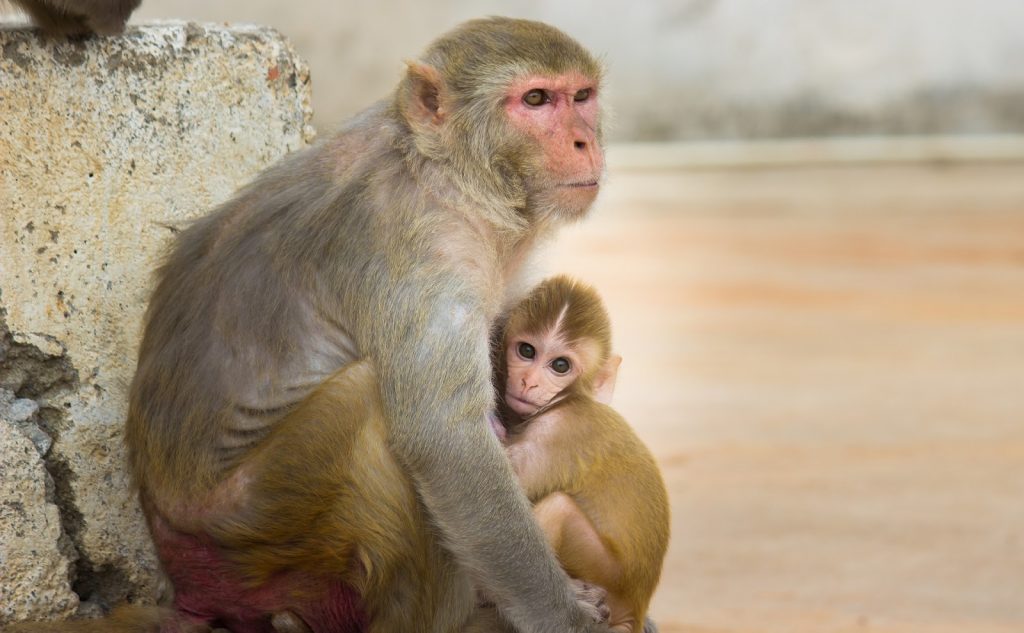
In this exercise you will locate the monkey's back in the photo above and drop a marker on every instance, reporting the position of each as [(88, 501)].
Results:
[(622, 493), (237, 311)]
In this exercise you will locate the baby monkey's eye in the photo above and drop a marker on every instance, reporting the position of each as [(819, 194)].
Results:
[(526, 351), (582, 95), (535, 97), (561, 365)]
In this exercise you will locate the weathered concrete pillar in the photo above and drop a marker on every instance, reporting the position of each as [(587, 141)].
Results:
[(107, 147)]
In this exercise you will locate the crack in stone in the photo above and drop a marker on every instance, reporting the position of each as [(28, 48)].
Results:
[(34, 389)]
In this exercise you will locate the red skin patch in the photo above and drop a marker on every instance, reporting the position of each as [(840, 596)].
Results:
[(564, 127), (207, 590)]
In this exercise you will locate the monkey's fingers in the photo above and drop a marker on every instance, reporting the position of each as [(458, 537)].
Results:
[(591, 599), (497, 426)]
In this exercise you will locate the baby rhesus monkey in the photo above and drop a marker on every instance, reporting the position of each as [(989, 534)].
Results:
[(596, 490)]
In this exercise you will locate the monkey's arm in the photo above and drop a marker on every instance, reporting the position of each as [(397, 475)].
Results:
[(533, 452), (437, 392), (554, 451)]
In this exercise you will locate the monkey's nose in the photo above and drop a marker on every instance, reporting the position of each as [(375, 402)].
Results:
[(580, 145)]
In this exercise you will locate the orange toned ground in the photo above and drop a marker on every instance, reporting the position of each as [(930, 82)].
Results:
[(828, 364)]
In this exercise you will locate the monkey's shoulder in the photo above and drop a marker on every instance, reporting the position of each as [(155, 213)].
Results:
[(589, 432), (584, 416)]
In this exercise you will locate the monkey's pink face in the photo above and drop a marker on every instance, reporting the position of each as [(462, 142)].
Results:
[(539, 367), (561, 114)]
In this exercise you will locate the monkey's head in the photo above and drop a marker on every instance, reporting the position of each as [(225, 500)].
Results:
[(512, 105), (556, 341)]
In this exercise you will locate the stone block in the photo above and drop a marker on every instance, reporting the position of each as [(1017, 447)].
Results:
[(108, 146), (35, 581)]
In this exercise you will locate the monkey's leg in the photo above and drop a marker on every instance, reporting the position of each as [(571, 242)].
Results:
[(487, 620), (328, 499), (125, 619), (582, 553)]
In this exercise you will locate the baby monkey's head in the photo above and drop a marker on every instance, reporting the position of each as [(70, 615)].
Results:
[(557, 340)]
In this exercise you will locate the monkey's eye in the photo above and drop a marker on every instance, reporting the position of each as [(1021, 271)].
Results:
[(526, 351), (581, 95), (535, 97), (561, 365)]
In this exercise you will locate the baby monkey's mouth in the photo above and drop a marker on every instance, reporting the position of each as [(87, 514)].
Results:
[(581, 185), (513, 400)]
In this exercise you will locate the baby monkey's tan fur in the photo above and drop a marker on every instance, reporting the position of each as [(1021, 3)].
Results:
[(596, 489)]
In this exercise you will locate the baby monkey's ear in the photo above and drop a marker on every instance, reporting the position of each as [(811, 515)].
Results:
[(604, 382)]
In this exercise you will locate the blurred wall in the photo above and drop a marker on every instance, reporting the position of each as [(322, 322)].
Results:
[(698, 69)]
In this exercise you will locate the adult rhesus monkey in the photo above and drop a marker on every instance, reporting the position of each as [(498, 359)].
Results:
[(78, 17), (596, 490), (307, 424)]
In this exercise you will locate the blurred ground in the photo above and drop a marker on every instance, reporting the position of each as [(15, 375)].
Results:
[(828, 364)]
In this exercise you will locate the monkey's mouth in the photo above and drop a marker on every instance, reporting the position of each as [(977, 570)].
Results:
[(520, 406), (581, 185)]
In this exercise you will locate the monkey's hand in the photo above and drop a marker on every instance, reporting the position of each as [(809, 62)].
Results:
[(591, 599), (437, 393), (497, 426)]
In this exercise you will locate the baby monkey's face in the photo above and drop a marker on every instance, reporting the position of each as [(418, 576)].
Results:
[(540, 366)]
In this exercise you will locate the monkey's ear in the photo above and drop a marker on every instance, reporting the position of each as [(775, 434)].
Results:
[(604, 382), (422, 100)]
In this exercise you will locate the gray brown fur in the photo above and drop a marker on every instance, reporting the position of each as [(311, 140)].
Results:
[(339, 305), (79, 17)]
